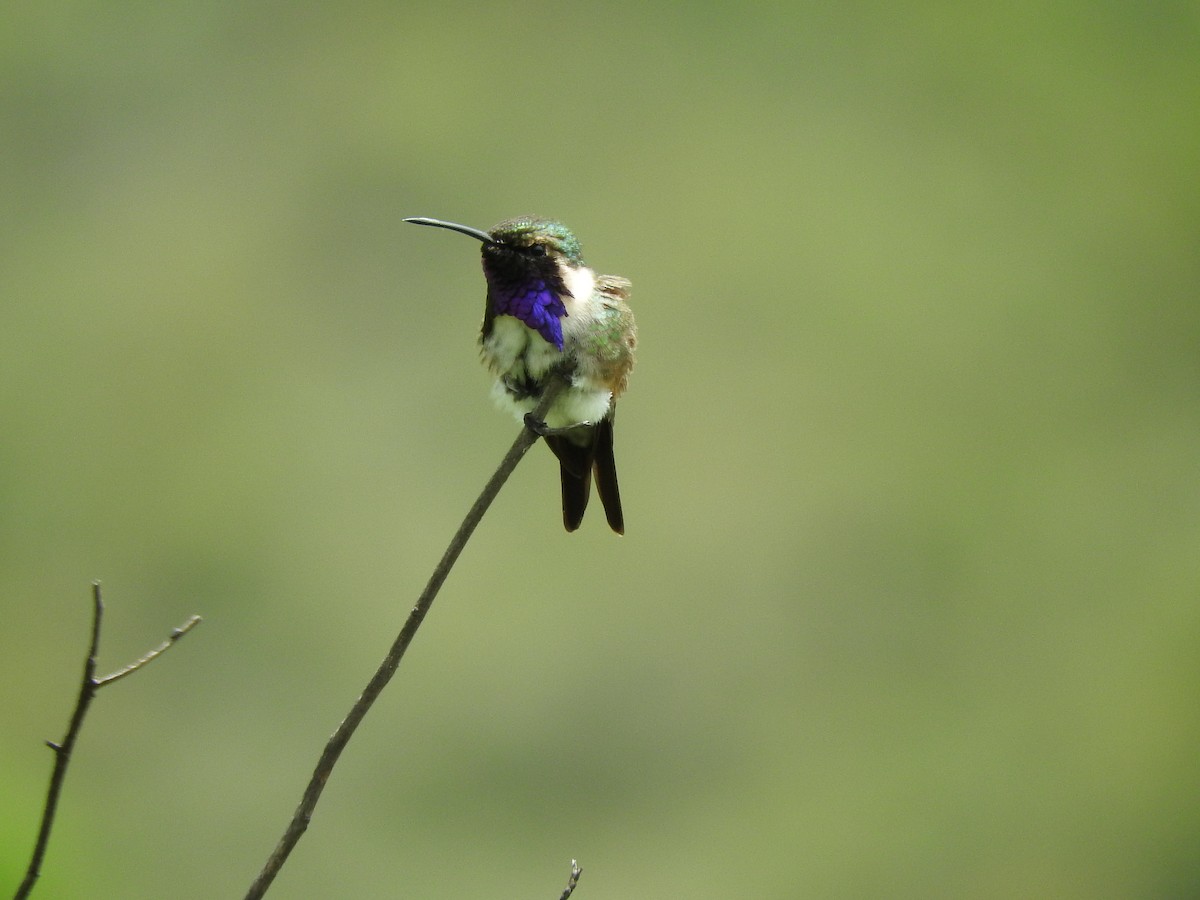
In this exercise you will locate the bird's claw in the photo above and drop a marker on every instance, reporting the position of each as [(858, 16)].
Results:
[(536, 425), (541, 429)]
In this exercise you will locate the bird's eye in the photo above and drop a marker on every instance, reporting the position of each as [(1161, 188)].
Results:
[(537, 250)]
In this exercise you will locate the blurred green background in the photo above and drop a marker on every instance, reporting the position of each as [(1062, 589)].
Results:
[(907, 606)]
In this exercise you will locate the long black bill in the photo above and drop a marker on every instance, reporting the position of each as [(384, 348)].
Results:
[(461, 229)]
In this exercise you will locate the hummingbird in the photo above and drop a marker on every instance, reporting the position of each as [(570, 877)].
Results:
[(547, 314)]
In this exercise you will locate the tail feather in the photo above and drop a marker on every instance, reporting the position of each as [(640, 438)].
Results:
[(575, 472), (606, 476), (577, 463)]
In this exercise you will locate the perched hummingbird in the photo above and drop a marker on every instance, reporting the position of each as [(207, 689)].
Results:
[(547, 313)]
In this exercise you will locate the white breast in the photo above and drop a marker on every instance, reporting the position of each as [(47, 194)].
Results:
[(515, 350)]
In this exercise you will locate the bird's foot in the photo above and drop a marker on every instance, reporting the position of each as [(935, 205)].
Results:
[(541, 429)]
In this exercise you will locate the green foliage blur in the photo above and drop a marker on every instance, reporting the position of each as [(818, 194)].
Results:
[(907, 604)]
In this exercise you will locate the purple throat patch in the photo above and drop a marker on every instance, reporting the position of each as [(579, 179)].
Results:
[(538, 307)]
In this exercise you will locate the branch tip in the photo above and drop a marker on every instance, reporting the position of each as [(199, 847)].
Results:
[(88, 686), (576, 871)]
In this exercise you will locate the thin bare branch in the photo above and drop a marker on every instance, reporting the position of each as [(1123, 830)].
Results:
[(88, 687), (576, 871), (337, 742), (154, 654)]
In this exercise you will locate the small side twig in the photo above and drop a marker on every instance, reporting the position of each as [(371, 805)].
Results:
[(88, 687), (576, 871), (338, 740), (176, 634)]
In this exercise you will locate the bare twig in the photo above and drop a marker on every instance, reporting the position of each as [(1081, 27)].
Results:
[(337, 742), (88, 687), (576, 871), (176, 634)]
